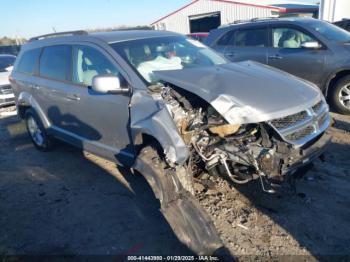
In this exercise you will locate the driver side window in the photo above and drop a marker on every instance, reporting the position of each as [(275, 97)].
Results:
[(87, 63), (287, 37)]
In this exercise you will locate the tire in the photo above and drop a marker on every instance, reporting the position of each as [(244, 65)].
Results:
[(36, 131), (190, 223), (341, 90)]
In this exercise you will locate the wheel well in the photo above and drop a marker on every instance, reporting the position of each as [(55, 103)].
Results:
[(143, 140), (22, 110), (335, 79)]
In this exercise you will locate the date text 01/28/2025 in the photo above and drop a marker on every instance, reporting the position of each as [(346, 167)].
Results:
[(173, 258)]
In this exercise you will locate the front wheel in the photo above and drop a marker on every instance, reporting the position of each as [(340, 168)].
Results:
[(340, 96), (36, 131)]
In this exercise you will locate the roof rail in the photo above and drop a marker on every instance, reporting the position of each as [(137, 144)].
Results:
[(256, 19), (78, 32)]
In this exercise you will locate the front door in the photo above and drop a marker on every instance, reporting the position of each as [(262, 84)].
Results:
[(287, 53), (100, 122)]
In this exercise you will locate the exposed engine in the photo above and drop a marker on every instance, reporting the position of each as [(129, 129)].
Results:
[(239, 152)]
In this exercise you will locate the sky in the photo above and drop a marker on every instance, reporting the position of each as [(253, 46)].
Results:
[(27, 18)]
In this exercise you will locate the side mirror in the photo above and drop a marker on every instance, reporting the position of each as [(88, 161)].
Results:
[(311, 45), (108, 84), (9, 69)]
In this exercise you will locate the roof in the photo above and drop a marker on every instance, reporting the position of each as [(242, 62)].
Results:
[(301, 20), (108, 37), (124, 35), (282, 6)]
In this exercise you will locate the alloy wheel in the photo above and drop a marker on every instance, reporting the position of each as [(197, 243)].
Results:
[(344, 96), (35, 131)]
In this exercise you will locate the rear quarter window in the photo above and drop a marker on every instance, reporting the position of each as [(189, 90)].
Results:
[(55, 62), (29, 61)]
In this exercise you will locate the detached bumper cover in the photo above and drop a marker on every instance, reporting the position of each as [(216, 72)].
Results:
[(310, 154)]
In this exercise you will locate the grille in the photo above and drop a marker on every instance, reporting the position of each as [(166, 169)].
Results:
[(301, 133), (322, 119), (5, 90), (300, 128), (289, 120), (317, 107)]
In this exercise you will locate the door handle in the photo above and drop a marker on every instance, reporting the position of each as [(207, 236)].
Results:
[(34, 87), (73, 97), (276, 57), (230, 54)]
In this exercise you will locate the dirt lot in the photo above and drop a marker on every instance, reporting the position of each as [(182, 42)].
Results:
[(69, 202)]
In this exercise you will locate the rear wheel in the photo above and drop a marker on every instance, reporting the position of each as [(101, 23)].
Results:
[(36, 131), (340, 96)]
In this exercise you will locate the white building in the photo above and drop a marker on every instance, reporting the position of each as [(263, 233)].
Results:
[(334, 10), (204, 15)]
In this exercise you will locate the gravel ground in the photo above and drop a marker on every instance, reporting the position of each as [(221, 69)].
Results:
[(69, 202)]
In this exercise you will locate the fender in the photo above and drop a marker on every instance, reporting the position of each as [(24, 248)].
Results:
[(331, 77), (26, 99), (149, 115)]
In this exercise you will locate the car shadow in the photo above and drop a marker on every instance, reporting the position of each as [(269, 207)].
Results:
[(343, 125), (68, 202)]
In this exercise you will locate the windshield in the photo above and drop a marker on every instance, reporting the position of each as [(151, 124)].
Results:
[(166, 53), (329, 31), (6, 61)]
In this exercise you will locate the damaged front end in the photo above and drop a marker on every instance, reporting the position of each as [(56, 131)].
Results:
[(267, 150)]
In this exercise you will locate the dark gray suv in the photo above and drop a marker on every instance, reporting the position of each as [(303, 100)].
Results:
[(312, 49), (171, 108)]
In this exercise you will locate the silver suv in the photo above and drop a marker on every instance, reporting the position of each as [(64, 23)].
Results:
[(171, 108)]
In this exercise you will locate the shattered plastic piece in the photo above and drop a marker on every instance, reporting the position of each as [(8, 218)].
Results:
[(242, 226)]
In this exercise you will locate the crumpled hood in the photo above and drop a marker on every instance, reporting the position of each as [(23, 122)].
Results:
[(246, 92)]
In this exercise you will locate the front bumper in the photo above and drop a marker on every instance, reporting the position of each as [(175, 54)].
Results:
[(309, 154)]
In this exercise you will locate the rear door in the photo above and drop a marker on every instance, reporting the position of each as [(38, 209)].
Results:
[(51, 90), (248, 43), (287, 54)]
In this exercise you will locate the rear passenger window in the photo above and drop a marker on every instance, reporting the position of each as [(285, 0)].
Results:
[(87, 63), (226, 38), (246, 38), (55, 62), (29, 61)]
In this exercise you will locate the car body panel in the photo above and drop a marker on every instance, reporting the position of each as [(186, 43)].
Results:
[(150, 116), (235, 90), (316, 66)]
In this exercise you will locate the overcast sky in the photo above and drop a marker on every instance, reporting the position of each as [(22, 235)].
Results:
[(26, 18)]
